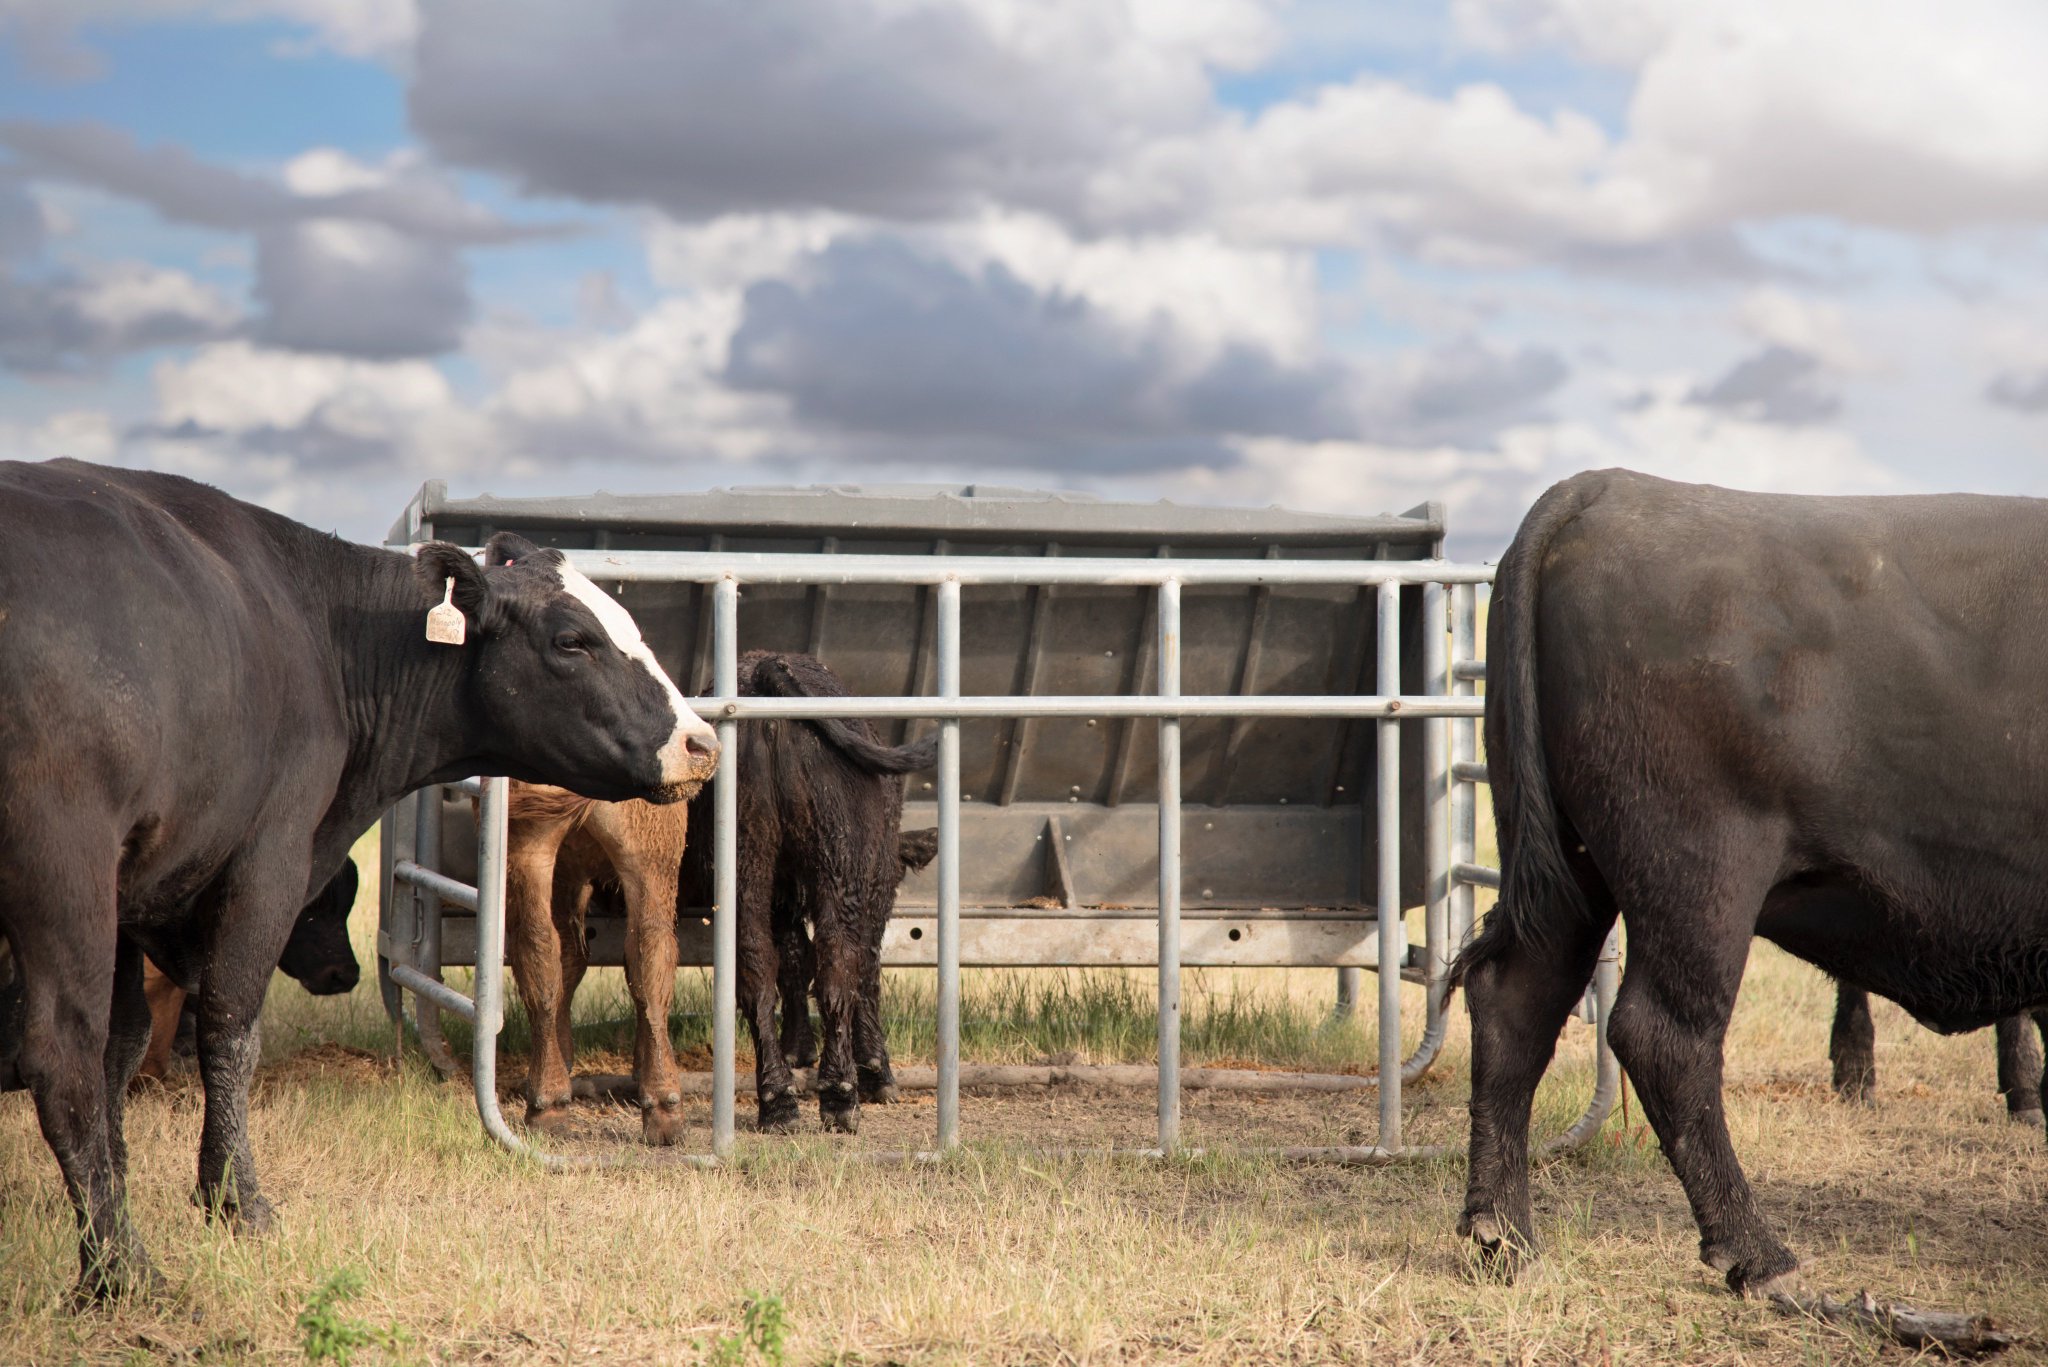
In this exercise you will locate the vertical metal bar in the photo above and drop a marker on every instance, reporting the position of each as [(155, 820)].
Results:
[(1464, 736), (490, 941), (1393, 934), (949, 870), (427, 930), (1436, 828), (725, 612), (1169, 871)]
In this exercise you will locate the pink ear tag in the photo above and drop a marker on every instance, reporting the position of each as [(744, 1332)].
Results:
[(445, 624)]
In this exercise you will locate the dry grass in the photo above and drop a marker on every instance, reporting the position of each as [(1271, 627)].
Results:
[(1002, 1256)]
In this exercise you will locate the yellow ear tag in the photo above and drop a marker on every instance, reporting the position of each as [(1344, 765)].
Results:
[(445, 625)]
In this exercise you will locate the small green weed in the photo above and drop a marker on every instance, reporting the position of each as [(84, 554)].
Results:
[(329, 1336), (764, 1327)]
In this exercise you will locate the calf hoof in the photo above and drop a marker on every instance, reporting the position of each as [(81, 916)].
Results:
[(878, 1086), (778, 1113), (662, 1126), (552, 1121)]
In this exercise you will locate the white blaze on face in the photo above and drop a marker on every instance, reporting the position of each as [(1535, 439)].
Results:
[(676, 765)]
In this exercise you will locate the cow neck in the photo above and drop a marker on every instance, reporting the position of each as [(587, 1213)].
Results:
[(402, 696)]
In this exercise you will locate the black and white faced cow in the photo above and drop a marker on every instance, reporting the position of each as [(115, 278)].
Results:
[(202, 704)]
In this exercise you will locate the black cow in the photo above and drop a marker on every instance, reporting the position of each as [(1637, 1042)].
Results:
[(819, 807), (1852, 1053), (797, 973), (202, 704), (1724, 714)]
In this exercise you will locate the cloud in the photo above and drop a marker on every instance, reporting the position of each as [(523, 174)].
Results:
[(22, 227), (360, 289), (909, 110), (877, 338), (2026, 391), (1775, 385), (46, 34), (72, 322)]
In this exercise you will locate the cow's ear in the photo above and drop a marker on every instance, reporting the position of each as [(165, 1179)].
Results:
[(508, 548), (917, 848), (440, 561)]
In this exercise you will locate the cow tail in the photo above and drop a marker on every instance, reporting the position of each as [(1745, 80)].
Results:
[(850, 741), (1538, 890)]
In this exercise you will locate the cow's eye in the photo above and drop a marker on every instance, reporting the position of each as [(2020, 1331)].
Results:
[(572, 643)]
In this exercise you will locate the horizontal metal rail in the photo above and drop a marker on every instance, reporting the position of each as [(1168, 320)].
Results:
[(440, 884), (1304, 705), (1479, 875), (439, 993), (705, 567)]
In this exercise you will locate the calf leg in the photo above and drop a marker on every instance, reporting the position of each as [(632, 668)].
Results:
[(129, 1033), (1852, 1045), (535, 943), (2019, 1067), (166, 1002), (793, 982), (650, 888), (759, 970), (837, 947), (1689, 939), (870, 1044), (1520, 990)]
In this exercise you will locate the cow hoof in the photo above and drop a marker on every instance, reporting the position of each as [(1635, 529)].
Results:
[(845, 1121), (1789, 1286), (1753, 1272), (2033, 1118), (253, 1215), (878, 1086), (552, 1121), (132, 1279), (662, 1126), (1501, 1248)]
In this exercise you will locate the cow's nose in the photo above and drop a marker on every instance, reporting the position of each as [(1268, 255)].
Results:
[(330, 982), (704, 747)]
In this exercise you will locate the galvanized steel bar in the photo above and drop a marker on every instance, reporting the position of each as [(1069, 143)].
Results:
[(492, 840), (1436, 832), (1169, 871), (426, 950), (442, 995), (438, 887), (725, 612), (1393, 933), (622, 566), (1466, 768), (1092, 705), (948, 649)]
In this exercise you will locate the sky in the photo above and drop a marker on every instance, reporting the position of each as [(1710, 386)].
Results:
[(1329, 255)]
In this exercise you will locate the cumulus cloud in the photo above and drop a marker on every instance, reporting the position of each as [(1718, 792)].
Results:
[(902, 110), (1777, 385), (2026, 391), (878, 338), (47, 35), (22, 227), (70, 322), (360, 289)]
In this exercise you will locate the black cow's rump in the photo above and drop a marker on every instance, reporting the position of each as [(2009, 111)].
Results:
[(202, 704), (1725, 714), (819, 807)]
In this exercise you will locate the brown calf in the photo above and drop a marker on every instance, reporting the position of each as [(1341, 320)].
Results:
[(561, 849)]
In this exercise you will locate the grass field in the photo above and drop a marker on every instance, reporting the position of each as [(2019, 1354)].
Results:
[(800, 1254)]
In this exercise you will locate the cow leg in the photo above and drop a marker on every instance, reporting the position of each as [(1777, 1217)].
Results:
[(1520, 990), (65, 955), (1688, 944), (166, 1005), (760, 968), (534, 939), (870, 1044), (650, 887), (837, 947), (1852, 1046), (2019, 1068), (129, 1035), (250, 931), (793, 980), (572, 930)]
